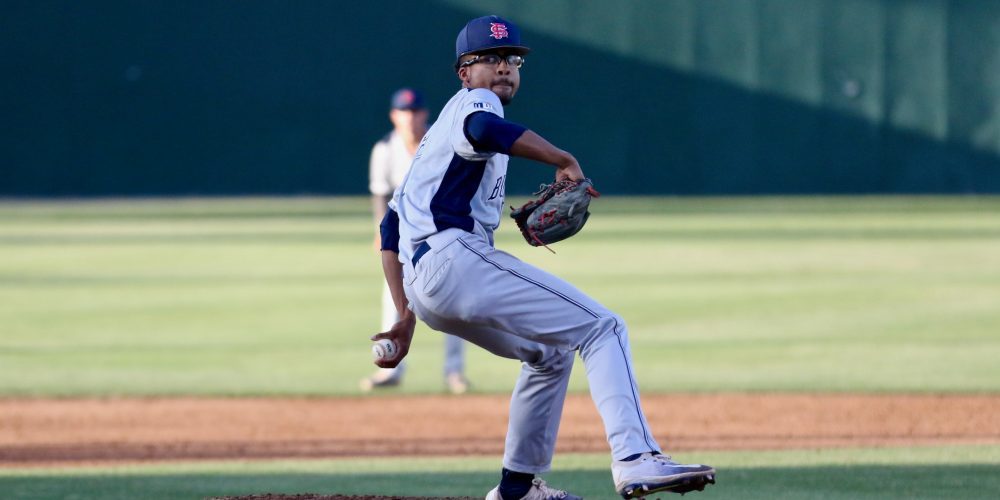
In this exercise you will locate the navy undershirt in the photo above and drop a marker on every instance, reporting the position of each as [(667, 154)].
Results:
[(488, 132)]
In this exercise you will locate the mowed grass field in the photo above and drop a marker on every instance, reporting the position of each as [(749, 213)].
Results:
[(966, 472), (279, 296)]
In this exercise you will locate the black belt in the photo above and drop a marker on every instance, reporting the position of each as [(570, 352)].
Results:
[(419, 252)]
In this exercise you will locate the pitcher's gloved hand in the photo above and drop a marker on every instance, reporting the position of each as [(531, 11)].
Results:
[(560, 211)]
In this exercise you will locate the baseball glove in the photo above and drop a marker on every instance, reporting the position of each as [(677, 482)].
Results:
[(558, 212)]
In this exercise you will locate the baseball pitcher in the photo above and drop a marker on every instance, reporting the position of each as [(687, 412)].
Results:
[(449, 275)]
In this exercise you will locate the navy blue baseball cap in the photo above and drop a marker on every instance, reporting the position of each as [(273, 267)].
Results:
[(407, 99), (487, 33)]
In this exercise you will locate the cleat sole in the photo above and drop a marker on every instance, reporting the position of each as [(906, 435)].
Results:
[(681, 485)]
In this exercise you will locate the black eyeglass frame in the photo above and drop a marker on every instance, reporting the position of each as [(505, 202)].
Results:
[(518, 60)]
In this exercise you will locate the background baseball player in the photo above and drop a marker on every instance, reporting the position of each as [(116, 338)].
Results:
[(390, 160), (450, 276)]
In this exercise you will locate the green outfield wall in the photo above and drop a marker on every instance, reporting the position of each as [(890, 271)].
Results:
[(157, 97)]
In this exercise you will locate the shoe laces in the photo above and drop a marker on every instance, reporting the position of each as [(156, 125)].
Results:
[(547, 491), (660, 459)]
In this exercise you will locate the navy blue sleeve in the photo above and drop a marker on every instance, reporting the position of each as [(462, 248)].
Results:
[(488, 132), (389, 229)]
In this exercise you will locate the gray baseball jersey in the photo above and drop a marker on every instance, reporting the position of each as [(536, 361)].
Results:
[(457, 282)]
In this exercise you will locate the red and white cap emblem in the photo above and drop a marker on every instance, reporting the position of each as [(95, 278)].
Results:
[(498, 30)]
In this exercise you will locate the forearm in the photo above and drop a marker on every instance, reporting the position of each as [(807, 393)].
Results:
[(393, 270), (488, 132), (402, 331), (391, 267), (534, 147)]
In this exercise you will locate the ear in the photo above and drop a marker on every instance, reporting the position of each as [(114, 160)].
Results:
[(463, 73)]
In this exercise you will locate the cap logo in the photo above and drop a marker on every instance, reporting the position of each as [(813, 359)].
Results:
[(498, 30)]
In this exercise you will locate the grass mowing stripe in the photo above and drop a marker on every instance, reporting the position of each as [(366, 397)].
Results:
[(917, 472), (830, 294)]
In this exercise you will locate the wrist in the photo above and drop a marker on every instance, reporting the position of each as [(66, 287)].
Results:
[(567, 161), (407, 315)]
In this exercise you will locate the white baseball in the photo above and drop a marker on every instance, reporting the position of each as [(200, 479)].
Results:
[(384, 349)]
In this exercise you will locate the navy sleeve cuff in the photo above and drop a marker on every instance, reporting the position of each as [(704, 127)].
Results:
[(389, 229), (488, 132)]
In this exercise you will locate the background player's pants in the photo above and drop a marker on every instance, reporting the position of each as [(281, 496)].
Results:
[(454, 347), (490, 298)]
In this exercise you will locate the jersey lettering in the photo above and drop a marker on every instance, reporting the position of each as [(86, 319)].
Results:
[(498, 189)]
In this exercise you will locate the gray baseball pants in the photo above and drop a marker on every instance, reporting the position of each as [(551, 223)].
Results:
[(515, 310)]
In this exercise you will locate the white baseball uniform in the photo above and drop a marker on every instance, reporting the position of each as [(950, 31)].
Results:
[(387, 167), (449, 206)]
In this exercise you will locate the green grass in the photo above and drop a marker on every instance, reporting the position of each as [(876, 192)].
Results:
[(279, 296), (942, 472)]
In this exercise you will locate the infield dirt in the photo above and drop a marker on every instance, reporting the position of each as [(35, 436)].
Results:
[(36, 432)]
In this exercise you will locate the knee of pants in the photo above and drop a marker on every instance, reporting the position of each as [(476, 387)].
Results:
[(605, 328)]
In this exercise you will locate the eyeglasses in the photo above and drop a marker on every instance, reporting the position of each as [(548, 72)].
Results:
[(514, 60)]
